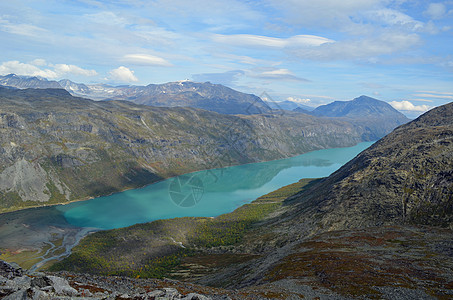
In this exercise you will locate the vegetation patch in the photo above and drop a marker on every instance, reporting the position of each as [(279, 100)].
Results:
[(158, 249)]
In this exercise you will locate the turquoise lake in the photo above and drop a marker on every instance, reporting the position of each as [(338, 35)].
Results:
[(205, 193)]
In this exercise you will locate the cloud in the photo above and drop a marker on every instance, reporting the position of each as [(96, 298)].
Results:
[(249, 40), (393, 17), (51, 72), (122, 74), (226, 78), (275, 74), (366, 48), (436, 10), (61, 69), (19, 68), (438, 96), (21, 28), (298, 100), (106, 18), (408, 106), (146, 59), (323, 13)]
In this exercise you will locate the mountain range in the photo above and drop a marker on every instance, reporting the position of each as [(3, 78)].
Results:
[(57, 148), (213, 97)]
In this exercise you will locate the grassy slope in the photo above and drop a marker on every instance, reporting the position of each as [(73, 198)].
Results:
[(155, 249)]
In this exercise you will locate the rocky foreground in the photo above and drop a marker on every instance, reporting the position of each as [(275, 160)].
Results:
[(16, 284)]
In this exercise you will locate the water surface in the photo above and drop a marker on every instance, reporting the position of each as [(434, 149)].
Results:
[(205, 193)]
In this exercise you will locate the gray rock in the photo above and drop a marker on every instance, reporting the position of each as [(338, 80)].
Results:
[(19, 295), (195, 296), (40, 295), (41, 282), (156, 293), (18, 283), (61, 286)]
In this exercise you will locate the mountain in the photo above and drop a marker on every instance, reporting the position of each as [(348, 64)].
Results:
[(57, 148), (364, 111), (288, 105), (406, 177), (25, 82), (361, 107), (213, 97), (303, 110)]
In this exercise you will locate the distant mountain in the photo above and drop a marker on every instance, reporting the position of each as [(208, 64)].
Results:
[(288, 105), (364, 111), (303, 110), (208, 96), (25, 82), (213, 97), (361, 107)]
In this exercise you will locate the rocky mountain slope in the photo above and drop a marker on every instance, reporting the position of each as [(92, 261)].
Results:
[(406, 177), (55, 147)]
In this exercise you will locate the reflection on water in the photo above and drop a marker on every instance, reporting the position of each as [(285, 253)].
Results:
[(205, 193)]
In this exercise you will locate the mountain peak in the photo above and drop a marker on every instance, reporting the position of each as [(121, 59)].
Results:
[(360, 107)]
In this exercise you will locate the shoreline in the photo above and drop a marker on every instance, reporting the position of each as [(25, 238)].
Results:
[(162, 179)]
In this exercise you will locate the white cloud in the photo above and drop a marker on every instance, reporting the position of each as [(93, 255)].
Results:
[(38, 62), (436, 10), (51, 72), (394, 18), (106, 18), (439, 96), (19, 68), (274, 74), (408, 106), (146, 59), (122, 74), (366, 48), (298, 100), (62, 69), (21, 28), (324, 13), (249, 40)]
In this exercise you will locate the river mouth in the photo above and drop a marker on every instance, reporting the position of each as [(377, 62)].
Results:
[(36, 237)]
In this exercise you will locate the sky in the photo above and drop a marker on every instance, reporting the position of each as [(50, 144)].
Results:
[(311, 52)]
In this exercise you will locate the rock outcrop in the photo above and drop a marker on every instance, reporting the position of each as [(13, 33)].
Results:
[(16, 284)]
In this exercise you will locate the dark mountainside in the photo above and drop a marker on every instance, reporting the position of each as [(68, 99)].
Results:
[(57, 148), (380, 227), (406, 177)]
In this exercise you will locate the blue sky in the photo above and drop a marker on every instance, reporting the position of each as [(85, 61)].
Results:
[(310, 51)]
